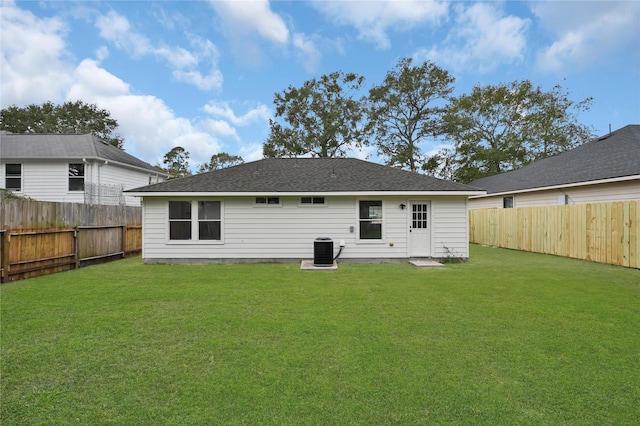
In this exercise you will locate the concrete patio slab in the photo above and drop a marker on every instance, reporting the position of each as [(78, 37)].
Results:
[(425, 263), (308, 265)]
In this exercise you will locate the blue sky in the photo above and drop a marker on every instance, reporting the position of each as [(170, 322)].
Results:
[(202, 74)]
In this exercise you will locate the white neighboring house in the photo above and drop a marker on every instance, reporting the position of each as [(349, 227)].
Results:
[(274, 209), (72, 169), (603, 170)]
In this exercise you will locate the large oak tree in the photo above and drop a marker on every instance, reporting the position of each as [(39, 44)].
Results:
[(322, 118), (406, 109), (72, 117), (497, 128)]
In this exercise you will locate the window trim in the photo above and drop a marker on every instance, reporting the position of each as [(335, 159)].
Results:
[(504, 202), (195, 224), (13, 176), (312, 203), (76, 178), (380, 240), (266, 203)]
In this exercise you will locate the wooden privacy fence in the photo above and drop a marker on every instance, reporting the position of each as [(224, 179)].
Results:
[(38, 238), (602, 232)]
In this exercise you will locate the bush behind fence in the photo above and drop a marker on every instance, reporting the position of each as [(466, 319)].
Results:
[(602, 232), (38, 238)]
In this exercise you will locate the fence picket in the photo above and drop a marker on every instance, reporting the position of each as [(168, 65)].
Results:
[(599, 232)]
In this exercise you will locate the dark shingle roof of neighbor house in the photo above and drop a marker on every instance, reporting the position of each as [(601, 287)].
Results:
[(309, 175), (28, 145), (615, 155)]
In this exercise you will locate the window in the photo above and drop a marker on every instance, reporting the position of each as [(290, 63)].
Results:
[(195, 221), (13, 177), (507, 202), (370, 214), (312, 200), (76, 177), (268, 200), (209, 222), (179, 220)]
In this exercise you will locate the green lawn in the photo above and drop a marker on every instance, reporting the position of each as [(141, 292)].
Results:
[(507, 338)]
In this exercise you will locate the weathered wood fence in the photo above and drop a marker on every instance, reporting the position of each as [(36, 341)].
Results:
[(602, 232), (38, 238)]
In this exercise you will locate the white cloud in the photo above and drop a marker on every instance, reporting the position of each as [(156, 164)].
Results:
[(30, 45), (482, 39), (150, 128), (251, 152), (243, 17), (220, 127), (116, 29), (309, 53), (373, 19), (587, 32), (222, 109)]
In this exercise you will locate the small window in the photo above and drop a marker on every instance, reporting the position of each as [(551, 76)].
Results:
[(268, 200), (13, 177), (209, 220), (370, 214), (76, 177), (507, 202), (179, 220), (312, 200)]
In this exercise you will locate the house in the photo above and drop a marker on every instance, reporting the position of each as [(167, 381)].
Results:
[(274, 209), (71, 168), (602, 170)]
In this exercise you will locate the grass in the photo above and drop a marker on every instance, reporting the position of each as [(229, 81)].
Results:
[(507, 338)]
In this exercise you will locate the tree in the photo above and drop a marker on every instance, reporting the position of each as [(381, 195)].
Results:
[(177, 162), (499, 128), (404, 111), (220, 161), (68, 118), (322, 118)]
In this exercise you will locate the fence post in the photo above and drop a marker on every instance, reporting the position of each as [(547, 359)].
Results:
[(123, 234), (4, 249), (76, 254)]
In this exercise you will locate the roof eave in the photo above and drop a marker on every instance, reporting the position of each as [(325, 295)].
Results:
[(305, 193), (559, 186)]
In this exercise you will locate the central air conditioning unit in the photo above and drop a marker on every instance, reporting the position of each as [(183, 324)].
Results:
[(323, 252)]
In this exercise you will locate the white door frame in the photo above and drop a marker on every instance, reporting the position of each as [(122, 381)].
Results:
[(419, 239)]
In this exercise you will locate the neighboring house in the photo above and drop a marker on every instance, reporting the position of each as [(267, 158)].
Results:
[(274, 209), (602, 170), (71, 168)]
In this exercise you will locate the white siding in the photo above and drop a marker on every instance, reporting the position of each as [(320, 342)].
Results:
[(288, 231), (49, 180), (600, 193), (450, 227)]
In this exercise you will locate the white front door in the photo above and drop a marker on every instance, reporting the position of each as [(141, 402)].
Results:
[(419, 229)]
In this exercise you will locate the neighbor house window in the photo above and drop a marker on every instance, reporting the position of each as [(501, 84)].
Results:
[(507, 202), (209, 220), (195, 220), (13, 177), (370, 217), (312, 200), (179, 220), (76, 177), (268, 200)]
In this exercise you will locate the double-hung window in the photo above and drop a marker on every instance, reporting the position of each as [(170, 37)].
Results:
[(195, 220), (370, 218), (76, 177), (13, 177)]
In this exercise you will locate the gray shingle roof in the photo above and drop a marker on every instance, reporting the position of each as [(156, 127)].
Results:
[(309, 175), (25, 146), (615, 155)]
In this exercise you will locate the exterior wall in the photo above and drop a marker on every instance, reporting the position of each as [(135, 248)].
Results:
[(606, 192), (288, 231), (49, 180)]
